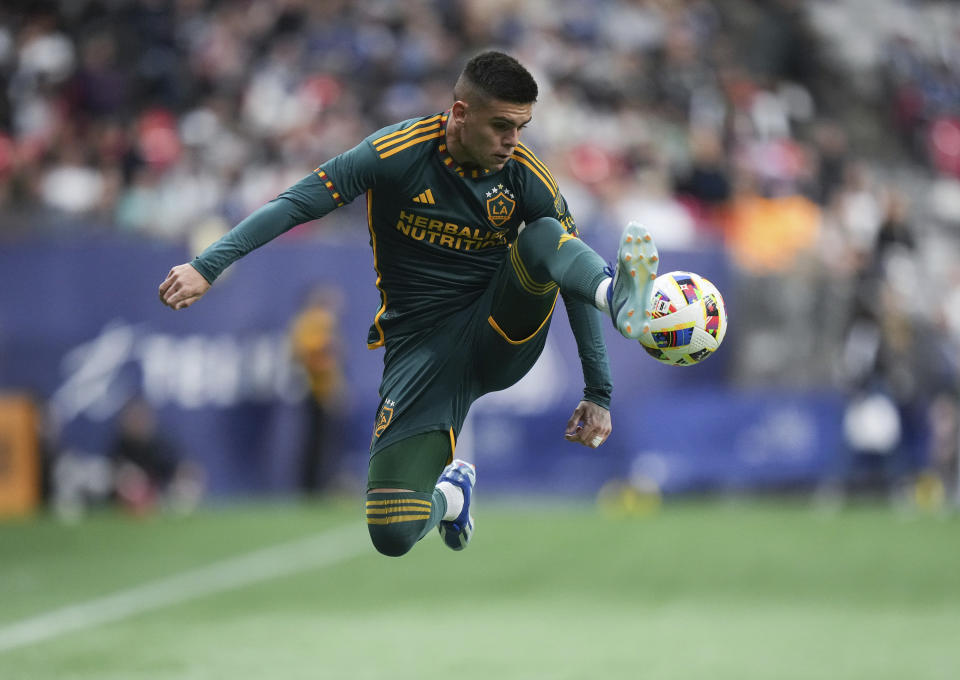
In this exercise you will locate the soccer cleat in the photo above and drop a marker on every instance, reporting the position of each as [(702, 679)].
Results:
[(630, 293), (456, 533)]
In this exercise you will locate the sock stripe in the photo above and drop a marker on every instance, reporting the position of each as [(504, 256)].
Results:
[(373, 512), (399, 501), (393, 519)]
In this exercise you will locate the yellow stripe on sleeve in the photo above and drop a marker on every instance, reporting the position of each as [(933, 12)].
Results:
[(538, 167), (412, 142), (412, 132), (405, 131), (524, 161), (532, 157)]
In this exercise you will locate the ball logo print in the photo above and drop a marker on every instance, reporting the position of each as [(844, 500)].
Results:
[(661, 305), (688, 319)]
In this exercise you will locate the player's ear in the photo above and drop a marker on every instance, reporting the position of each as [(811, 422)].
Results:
[(459, 110)]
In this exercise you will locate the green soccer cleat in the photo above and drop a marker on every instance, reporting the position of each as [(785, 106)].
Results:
[(630, 293), (456, 533)]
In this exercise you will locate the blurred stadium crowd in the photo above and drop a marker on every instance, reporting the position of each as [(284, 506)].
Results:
[(817, 142)]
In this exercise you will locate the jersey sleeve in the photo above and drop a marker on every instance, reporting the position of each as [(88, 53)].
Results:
[(587, 325), (351, 173), (311, 198), (541, 194)]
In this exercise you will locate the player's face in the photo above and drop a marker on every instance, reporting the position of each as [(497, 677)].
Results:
[(490, 131)]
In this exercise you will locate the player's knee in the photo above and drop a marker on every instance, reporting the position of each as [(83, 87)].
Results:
[(537, 245), (394, 540), (543, 232)]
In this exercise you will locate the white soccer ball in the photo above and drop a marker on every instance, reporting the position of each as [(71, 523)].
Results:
[(688, 319)]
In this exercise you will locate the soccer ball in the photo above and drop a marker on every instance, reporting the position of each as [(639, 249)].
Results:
[(687, 321)]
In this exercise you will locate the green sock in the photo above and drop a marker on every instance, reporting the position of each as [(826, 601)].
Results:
[(397, 520)]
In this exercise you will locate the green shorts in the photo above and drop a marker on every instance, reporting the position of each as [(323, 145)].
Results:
[(432, 376)]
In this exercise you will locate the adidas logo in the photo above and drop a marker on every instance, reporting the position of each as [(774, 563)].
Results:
[(425, 197)]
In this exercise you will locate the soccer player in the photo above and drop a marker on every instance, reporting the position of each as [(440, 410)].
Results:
[(472, 245)]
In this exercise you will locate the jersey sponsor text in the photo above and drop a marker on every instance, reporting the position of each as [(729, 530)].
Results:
[(448, 234)]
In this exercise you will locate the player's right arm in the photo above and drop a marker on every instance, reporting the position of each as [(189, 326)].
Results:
[(311, 198)]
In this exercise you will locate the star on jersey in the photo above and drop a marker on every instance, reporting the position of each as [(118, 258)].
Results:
[(499, 188), (500, 204)]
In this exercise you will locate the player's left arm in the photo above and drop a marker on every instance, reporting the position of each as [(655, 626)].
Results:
[(590, 423)]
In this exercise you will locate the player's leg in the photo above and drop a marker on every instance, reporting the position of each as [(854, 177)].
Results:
[(544, 252), (519, 307), (405, 500), (513, 326)]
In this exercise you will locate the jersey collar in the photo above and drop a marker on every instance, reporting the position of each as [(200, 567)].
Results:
[(448, 160)]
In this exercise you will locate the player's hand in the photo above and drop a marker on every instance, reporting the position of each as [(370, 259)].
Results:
[(589, 425), (183, 286)]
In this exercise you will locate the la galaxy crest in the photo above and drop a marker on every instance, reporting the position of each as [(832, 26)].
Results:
[(384, 417), (500, 205)]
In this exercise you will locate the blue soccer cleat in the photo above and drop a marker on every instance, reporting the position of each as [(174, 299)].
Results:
[(630, 294), (456, 533)]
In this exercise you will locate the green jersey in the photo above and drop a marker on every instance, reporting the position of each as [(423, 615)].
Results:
[(438, 231)]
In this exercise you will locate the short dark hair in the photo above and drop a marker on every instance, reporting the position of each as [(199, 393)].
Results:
[(495, 75)]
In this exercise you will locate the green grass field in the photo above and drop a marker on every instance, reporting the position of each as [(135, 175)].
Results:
[(711, 591)]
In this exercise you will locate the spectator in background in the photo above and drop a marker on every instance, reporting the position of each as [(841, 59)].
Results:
[(887, 359), (315, 339), (943, 473), (706, 181), (832, 155), (148, 469), (153, 117)]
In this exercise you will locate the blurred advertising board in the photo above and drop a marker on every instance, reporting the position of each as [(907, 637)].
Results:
[(82, 332)]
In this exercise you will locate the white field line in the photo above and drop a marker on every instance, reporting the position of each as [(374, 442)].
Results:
[(320, 550)]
